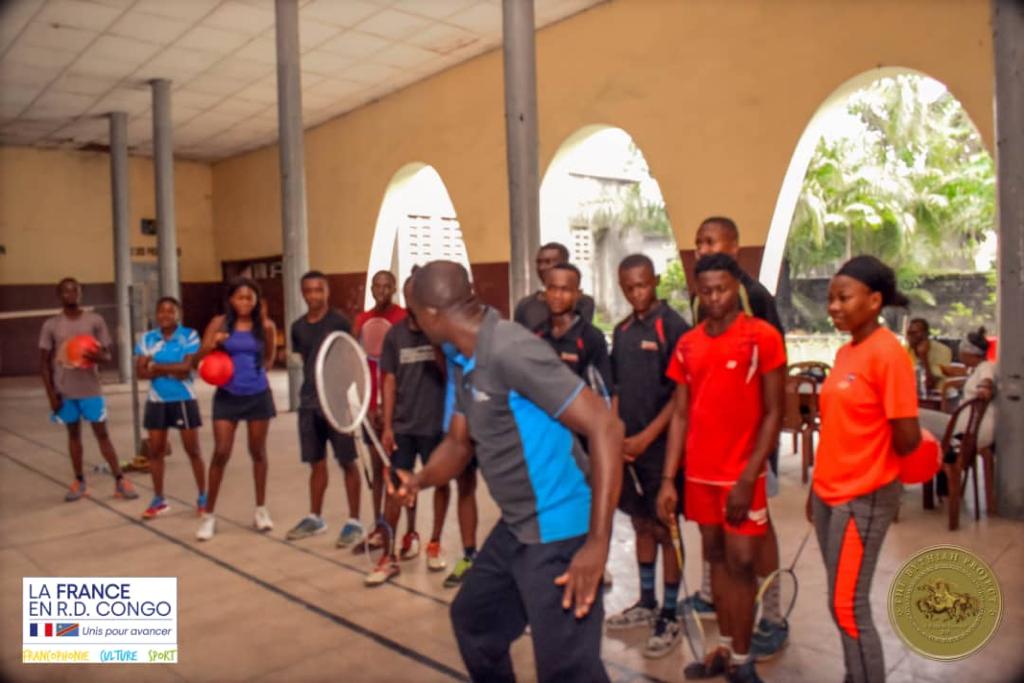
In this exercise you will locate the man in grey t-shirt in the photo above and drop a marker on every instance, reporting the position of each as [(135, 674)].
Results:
[(73, 385), (520, 406)]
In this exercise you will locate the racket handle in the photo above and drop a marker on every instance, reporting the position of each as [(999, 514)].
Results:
[(677, 543), (376, 443)]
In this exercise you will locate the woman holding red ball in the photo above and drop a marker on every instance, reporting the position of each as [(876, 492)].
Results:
[(248, 336)]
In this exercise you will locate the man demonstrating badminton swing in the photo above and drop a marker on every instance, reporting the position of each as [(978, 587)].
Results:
[(543, 562)]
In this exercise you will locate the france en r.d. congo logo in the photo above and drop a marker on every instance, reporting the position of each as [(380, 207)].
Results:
[(945, 602)]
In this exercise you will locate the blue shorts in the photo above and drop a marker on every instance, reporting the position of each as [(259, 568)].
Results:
[(90, 409)]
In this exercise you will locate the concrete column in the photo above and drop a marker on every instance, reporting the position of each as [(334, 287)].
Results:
[(122, 256), (521, 143), (1008, 40), (163, 172), (294, 236)]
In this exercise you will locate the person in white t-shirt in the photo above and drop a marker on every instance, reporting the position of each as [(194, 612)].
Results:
[(981, 383)]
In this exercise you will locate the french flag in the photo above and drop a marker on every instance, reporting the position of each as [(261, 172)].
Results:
[(33, 630)]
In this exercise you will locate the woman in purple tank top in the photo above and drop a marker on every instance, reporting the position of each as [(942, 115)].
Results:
[(248, 336)]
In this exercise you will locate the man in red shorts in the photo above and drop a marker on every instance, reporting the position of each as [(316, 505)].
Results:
[(730, 372)]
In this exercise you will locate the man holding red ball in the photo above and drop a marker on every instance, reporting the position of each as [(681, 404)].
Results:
[(71, 343)]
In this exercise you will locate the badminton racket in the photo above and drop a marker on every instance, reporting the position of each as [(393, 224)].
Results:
[(601, 389), (693, 629), (784, 581), (343, 388)]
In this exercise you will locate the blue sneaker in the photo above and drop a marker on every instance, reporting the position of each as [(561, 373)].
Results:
[(769, 639), (703, 608), (307, 526), (351, 534)]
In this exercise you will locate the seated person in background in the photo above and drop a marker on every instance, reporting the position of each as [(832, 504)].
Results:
[(980, 384), (927, 353)]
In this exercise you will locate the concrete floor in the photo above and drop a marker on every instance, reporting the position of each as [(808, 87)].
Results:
[(257, 608)]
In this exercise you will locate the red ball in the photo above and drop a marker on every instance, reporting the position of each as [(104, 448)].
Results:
[(217, 368), (80, 345), (923, 463)]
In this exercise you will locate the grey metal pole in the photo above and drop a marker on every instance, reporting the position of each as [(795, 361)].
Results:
[(1008, 40), (521, 143), (163, 173), (140, 446), (294, 236), (122, 257)]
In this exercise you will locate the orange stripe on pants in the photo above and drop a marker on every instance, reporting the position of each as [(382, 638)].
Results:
[(851, 554)]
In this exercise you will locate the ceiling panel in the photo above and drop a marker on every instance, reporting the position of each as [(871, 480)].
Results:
[(64, 63)]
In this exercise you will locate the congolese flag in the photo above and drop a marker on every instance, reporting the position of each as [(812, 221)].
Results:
[(49, 630)]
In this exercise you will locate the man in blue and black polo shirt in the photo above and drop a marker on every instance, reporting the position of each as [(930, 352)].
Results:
[(543, 562)]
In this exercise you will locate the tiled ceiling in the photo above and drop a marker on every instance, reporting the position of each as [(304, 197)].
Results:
[(64, 64)]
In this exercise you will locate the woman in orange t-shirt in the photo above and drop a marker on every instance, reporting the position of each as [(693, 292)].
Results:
[(868, 421)]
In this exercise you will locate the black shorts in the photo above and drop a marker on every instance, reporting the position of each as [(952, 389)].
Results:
[(411, 445), (235, 408), (161, 416), (648, 468), (315, 432)]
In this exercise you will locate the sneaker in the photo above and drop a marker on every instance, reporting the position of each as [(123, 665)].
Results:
[(744, 673), (200, 504), (435, 562), (309, 526), (207, 527), (454, 579), (637, 615), (351, 534), (714, 665), (123, 488), (663, 638), (410, 546), (768, 640), (75, 491), (157, 507), (386, 569), (261, 519), (704, 608)]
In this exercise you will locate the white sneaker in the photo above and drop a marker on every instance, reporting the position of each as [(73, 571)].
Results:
[(261, 519), (207, 527)]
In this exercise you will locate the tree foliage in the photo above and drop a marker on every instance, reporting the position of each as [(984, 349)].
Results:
[(910, 183)]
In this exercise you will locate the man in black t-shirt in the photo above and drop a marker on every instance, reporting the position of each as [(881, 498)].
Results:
[(307, 334), (642, 346), (719, 234), (578, 343), (532, 309)]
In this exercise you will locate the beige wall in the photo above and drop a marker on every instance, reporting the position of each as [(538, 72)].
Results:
[(716, 94), (55, 215)]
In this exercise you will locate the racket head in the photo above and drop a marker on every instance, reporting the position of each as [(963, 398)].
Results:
[(784, 582), (693, 629), (343, 382), (371, 335)]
